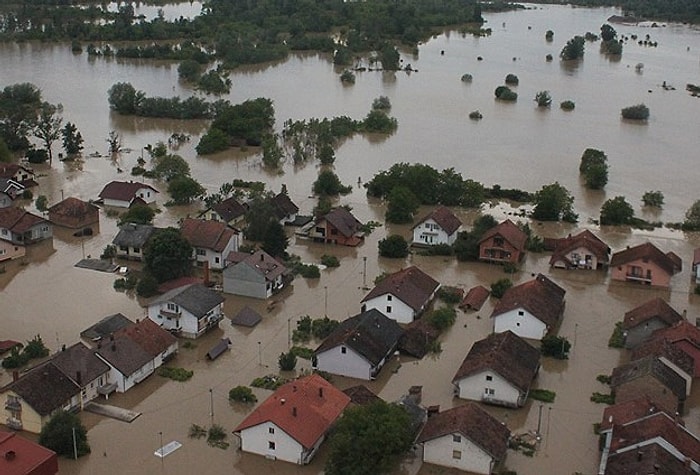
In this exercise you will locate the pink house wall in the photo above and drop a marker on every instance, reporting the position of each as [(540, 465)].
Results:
[(659, 277)]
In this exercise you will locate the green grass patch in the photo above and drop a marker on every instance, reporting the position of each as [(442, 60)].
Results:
[(176, 374), (544, 395)]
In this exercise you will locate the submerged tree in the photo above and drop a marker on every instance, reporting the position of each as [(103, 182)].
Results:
[(48, 126), (168, 255), (72, 139), (616, 211), (573, 49), (554, 203), (65, 435)]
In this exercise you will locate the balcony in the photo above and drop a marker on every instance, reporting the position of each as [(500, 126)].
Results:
[(14, 424), (644, 279), (13, 405)]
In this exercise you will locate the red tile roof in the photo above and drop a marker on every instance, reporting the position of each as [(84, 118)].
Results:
[(18, 220), (305, 409), (584, 239), (506, 354), (541, 297), (20, 456), (647, 251), (230, 209), (655, 308), (628, 411), (653, 459), (411, 285), (123, 190), (475, 298), (509, 231), (660, 347), (344, 221), (472, 422), (207, 234), (444, 217), (149, 336), (682, 330), (73, 208)]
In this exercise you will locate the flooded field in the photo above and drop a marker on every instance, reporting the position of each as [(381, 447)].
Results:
[(515, 145)]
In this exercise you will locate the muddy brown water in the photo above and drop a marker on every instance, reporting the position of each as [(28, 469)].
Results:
[(515, 145)]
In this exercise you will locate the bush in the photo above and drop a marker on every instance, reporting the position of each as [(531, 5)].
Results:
[(450, 295), (603, 378), (64, 433), (543, 99), (499, 287), (322, 327), (600, 398), (128, 283), (512, 80), (269, 381), (330, 261), (308, 271), (475, 115), (176, 374), (242, 394), (302, 352), (504, 93), (27, 195), (216, 437), (638, 112), (381, 103), (394, 246), (287, 361), (543, 395), (567, 105), (147, 286), (466, 77), (555, 346), (109, 252), (347, 77), (617, 339), (442, 318), (653, 199)]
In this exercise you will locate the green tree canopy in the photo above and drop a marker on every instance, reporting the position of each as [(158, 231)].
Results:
[(616, 211), (168, 166), (692, 217), (402, 205), (573, 49), (184, 190), (554, 203), (369, 440), (19, 106), (58, 432), (139, 214), (594, 168), (394, 246), (275, 240), (168, 255), (328, 184)]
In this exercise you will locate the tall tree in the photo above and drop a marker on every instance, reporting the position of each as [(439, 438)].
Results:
[(168, 255), (616, 211), (19, 104), (48, 126), (275, 240), (72, 139), (554, 203), (65, 435)]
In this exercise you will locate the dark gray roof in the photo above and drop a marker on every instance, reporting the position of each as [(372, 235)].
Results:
[(79, 363), (195, 298), (124, 354), (105, 327), (45, 388), (133, 235), (371, 334), (219, 348), (247, 317)]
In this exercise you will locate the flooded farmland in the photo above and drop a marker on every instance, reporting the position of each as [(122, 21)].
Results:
[(515, 145)]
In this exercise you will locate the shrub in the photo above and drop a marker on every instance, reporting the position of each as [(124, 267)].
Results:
[(543, 99), (394, 246), (109, 252), (269, 381), (147, 286), (512, 80), (543, 395), (27, 195), (475, 115), (322, 327), (549, 58), (242, 394), (308, 271), (196, 432), (555, 346), (176, 374), (330, 261), (504, 93), (499, 287), (567, 105), (600, 398), (617, 339), (442, 318), (450, 295), (653, 199), (347, 77), (302, 352), (603, 378), (381, 103), (216, 437), (466, 77), (637, 112), (287, 361)]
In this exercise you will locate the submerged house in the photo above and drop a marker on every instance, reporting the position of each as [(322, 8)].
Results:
[(503, 243), (639, 323), (440, 226), (124, 194), (22, 227), (211, 241), (229, 211), (257, 275), (645, 264), (581, 251), (74, 213), (338, 226), (132, 239), (188, 311)]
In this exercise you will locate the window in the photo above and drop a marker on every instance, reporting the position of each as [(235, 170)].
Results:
[(388, 309), (521, 313), (343, 350), (498, 241), (489, 377), (456, 454), (489, 391), (271, 430), (137, 250), (216, 260), (456, 438), (173, 307), (389, 297), (124, 248), (201, 252), (270, 445)]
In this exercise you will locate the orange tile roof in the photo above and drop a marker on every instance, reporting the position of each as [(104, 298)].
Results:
[(509, 231), (153, 339), (305, 409), (668, 262), (625, 412), (207, 234)]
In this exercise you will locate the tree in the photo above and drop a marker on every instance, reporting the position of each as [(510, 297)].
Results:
[(147, 286), (272, 152), (512, 79), (242, 394), (59, 433), (47, 127), (287, 361), (504, 93), (394, 246), (594, 168), (168, 166), (5, 153), (184, 189), (607, 32), (42, 203), (72, 139), (637, 112), (124, 98), (369, 440), (402, 204), (499, 287), (692, 217), (139, 214), (573, 49), (653, 199), (347, 77), (19, 105), (258, 217), (115, 142), (543, 99), (275, 241), (555, 346), (381, 103), (553, 203), (168, 255), (377, 121), (329, 184), (189, 70), (389, 57), (549, 35), (616, 211)]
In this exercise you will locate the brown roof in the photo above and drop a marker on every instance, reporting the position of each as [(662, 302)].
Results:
[(411, 285), (206, 234), (305, 409), (652, 459), (172, 284), (28, 458), (18, 220), (445, 218), (657, 425), (628, 411), (475, 298), (649, 366), (230, 209), (541, 297), (124, 354), (149, 336), (72, 208), (646, 251), (472, 422), (283, 205), (123, 190), (417, 337), (361, 395), (663, 348), (585, 239), (509, 231), (260, 261), (45, 388), (506, 354), (7, 345), (343, 220), (682, 330), (655, 308), (80, 364)]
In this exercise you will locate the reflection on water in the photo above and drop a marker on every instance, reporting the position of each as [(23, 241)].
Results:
[(515, 145)]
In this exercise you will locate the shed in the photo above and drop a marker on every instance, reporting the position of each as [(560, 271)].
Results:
[(218, 349), (247, 317), (475, 298)]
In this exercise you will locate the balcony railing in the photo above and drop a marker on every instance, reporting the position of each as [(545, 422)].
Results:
[(13, 423), (11, 405), (638, 277)]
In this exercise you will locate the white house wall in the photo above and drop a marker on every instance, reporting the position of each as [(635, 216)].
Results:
[(463, 455), (257, 440), (477, 388), (392, 307), (521, 322), (349, 364), (430, 233), (116, 203)]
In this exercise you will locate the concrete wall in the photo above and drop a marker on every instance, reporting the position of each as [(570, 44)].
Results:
[(392, 307), (497, 391), (521, 322), (463, 455), (349, 364)]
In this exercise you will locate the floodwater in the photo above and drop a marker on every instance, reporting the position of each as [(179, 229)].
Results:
[(515, 145)]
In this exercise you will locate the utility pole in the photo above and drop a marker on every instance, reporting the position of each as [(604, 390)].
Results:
[(162, 455), (364, 273), (260, 353), (211, 405), (289, 333), (325, 306), (75, 445), (539, 422)]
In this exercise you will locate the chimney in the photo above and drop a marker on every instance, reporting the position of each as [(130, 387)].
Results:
[(10, 455), (63, 347), (433, 411), (294, 388), (79, 378), (138, 320), (294, 411), (111, 337), (320, 392), (262, 257), (284, 189), (282, 401)]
